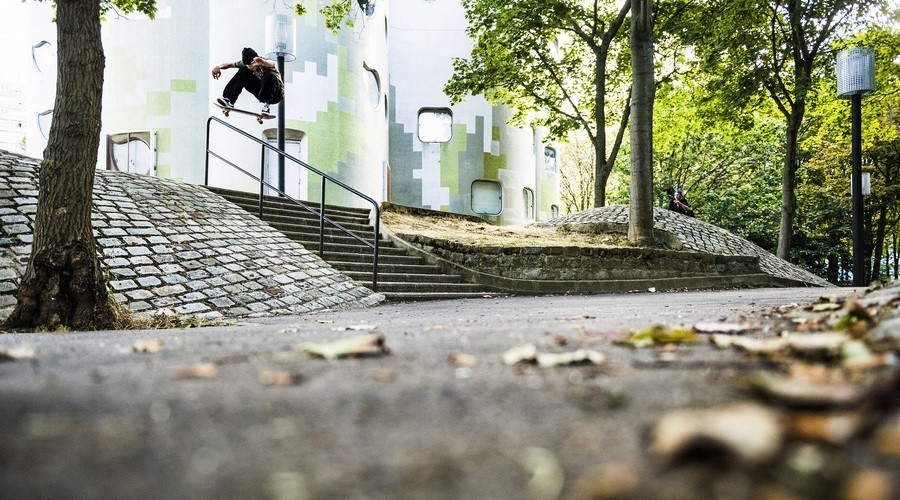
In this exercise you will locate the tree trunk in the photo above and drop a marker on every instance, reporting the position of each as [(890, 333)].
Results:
[(63, 284), (600, 173), (880, 230), (643, 88), (789, 181)]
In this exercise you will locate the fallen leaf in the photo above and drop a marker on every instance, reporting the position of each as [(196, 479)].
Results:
[(732, 328), (462, 360), (869, 484), (560, 340), (353, 346), (547, 477), (658, 334), (800, 392), (748, 431), (546, 359), (754, 346), (833, 428), (17, 353), (148, 346), (518, 354), (887, 437), (362, 328), (279, 378), (817, 342), (827, 306), (617, 480), (200, 370)]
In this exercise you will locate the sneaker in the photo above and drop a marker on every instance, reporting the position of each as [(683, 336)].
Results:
[(226, 102), (265, 108)]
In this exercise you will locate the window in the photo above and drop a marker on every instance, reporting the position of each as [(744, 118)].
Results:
[(43, 55), (554, 211), (487, 197), (131, 152), (367, 6), (528, 199), (373, 85), (44, 119), (550, 161), (435, 125)]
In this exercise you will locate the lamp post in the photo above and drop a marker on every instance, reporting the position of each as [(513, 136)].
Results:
[(281, 45), (856, 77)]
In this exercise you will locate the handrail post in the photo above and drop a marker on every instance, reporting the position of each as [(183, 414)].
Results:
[(322, 222), (206, 171), (262, 174), (375, 250)]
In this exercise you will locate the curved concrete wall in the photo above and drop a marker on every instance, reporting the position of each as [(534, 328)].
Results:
[(343, 120)]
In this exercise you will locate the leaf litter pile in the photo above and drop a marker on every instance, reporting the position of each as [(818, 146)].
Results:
[(829, 384)]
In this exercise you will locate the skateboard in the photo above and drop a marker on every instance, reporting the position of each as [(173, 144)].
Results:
[(259, 116)]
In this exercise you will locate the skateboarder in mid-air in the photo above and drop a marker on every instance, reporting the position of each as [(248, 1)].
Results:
[(255, 74)]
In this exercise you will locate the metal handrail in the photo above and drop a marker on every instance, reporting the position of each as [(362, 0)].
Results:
[(320, 213)]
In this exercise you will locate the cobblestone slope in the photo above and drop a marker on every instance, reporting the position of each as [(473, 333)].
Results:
[(176, 246), (695, 235)]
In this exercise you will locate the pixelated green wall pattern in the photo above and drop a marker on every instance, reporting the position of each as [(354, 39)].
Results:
[(184, 86)]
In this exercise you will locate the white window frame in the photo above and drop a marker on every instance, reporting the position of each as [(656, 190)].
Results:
[(480, 206), (429, 123), (528, 202), (551, 167)]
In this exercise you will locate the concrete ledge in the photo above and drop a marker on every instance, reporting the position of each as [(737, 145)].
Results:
[(588, 286)]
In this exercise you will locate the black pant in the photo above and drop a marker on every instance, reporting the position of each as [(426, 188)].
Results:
[(266, 89)]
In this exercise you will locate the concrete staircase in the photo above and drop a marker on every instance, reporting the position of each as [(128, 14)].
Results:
[(401, 277)]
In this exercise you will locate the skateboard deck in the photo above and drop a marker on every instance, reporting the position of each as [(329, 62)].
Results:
[(259, 116)]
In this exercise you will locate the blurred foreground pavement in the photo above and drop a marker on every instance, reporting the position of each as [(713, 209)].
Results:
[(715, 403)]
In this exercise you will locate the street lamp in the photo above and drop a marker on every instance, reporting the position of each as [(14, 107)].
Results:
[(856, 77), (281, 44)]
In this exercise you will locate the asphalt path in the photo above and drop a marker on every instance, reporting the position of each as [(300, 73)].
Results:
[(88, 417)]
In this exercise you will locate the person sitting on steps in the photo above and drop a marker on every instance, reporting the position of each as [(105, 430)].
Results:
[(255, 74)]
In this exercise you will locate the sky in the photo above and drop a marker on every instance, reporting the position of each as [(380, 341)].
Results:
[(12, 34)]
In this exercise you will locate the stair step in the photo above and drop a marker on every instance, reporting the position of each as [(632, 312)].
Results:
[(301, 214), (338, 257), (275, 202), (405, 287), (418, 296), (302, 223), (362, 276), (366, 267)]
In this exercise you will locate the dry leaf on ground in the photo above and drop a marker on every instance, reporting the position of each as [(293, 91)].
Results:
[(279, 378), (147, 346), (748, 431), (354, 346), (803, 392), (548, 359), (462, 360), (658, 335), (200, 370), (732, 328), (16, 353), (834, 428)]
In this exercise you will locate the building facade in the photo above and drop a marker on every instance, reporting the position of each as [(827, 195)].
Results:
[(365, 106)]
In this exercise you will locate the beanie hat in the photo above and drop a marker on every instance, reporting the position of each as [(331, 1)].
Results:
[(247, 55)]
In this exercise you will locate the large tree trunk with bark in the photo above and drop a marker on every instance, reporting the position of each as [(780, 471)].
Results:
[(789, 181), (63, 284), (643, 89)]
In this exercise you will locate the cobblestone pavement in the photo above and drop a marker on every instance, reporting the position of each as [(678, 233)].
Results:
[(177, 247), (695, 235)]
